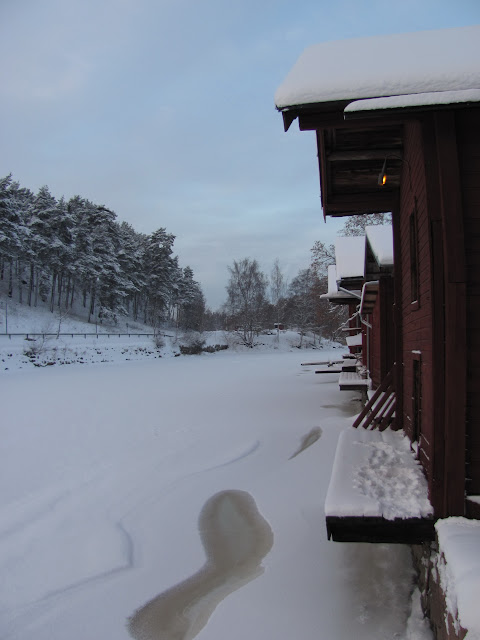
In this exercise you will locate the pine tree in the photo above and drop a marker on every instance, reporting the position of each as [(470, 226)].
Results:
[(161, 271), (11, 231)]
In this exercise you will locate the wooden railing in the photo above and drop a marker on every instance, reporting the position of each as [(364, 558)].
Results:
[(379, 411)]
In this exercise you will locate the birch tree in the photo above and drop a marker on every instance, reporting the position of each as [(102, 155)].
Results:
[(247, 298)]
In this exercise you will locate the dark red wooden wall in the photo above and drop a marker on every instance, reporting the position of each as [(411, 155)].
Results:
[(468, 140), (417, 314)]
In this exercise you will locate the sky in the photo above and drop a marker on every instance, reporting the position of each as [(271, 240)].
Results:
[(163, 110)]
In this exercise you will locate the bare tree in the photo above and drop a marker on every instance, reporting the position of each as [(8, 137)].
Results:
[(323, 255), (246, 298), (278, 293), (355, 225)]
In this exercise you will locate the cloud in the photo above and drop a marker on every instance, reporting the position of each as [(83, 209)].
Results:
[(163, 110)]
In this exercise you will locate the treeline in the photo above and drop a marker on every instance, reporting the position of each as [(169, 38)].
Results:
[(257, 301), (74, 252)]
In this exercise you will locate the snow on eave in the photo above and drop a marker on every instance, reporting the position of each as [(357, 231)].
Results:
[(350, 256), (381, 66), (380, 239), (434, 98)]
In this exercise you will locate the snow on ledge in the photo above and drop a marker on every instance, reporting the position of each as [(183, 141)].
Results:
[(376, 475), (459, 570)]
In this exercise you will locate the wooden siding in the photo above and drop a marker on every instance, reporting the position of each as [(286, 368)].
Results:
[(417, 314), (468, 131)]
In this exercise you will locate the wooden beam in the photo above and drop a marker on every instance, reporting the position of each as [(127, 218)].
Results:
[(311, 120), (358, 203)]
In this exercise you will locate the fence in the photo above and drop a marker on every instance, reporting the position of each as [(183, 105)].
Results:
[(29, 336)]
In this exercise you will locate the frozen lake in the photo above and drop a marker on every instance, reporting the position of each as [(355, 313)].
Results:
[(133, 491)]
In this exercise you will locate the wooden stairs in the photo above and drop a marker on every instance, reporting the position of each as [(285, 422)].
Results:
[(379, 411)]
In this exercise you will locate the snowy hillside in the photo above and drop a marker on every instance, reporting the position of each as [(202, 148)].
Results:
[(57, 338)]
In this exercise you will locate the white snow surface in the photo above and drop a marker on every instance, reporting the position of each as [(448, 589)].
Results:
[(332, 280), (376, 475), (414, 100), (389, 65), (380, 239), (350, 256), (459, 570), (355, 340), (106, 467)]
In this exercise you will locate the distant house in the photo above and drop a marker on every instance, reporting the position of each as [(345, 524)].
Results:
[(362, 278), (397, 124)]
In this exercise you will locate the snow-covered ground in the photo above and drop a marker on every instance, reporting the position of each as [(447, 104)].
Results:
[(122, 480)]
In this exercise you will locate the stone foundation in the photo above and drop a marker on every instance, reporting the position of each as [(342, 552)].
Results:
[(443, 624)]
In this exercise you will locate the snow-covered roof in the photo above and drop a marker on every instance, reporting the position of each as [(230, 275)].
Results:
[(354, 341), (414, 100), (424, 62), (333, 294), (380, 239), (350, 256), (375, 475), (459, 544)]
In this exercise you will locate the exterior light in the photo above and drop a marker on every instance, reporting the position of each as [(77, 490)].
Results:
[(382, 176)]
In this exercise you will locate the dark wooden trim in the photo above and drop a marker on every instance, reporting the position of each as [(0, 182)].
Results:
[(380, 530), (288, 118), (322, 168), (455, 312), (328, 119), (355, 203)]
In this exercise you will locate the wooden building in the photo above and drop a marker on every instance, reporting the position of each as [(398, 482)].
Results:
[(397, 124), (405, 138), (376, 306)]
